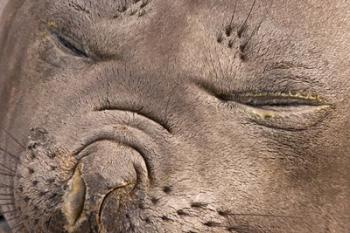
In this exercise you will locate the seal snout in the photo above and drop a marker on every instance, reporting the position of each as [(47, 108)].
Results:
[(107, 173)]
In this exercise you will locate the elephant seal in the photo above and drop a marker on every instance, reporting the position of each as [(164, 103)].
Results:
[(175, 116)]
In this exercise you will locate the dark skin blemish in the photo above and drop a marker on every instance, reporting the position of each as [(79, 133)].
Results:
[(54, 195), (228, 30), (132, 12), (230, 44), (142, 12), (51, 180), (148, 220), (167, 189), (241, 30), (182, 213), (41, 194), (30, 170), (223, 213), (122, 9), (219, 37), (144, 3), (154, 200), (243, 56), (198, 205), (212, 224), (165, 218), (243, 46)]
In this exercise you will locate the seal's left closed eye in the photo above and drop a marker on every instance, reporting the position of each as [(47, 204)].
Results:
[(266, 100), (287, 111)]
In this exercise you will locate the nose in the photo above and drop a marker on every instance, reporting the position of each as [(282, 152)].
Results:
[(108, 172)]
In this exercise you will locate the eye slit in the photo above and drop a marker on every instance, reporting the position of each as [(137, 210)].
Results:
[(70, 46), (261, 100), (278, 100)]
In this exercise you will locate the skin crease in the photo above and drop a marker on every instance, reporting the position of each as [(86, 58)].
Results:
[(163, 116)]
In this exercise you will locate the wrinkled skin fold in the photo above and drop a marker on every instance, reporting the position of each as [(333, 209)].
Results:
[(187, 116)]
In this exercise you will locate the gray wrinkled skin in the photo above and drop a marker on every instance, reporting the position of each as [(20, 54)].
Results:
[(130, 116)]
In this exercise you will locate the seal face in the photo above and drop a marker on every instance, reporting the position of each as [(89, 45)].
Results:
[(133, 116)]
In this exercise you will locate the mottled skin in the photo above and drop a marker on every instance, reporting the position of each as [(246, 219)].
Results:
[(175, 116)]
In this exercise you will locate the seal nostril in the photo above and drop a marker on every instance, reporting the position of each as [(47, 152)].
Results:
[(74, 200)]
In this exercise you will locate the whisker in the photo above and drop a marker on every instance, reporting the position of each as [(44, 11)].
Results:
[(244, 24), (6, 199), (14, 139), (7, 204), (229, 27), (11, 187), (6, 171), (7, 174), (226, 213), (13, 218), (234, 13), (9, 153), (6, 194), (7, 168), (9, 211), (245, 43), (17, 228)]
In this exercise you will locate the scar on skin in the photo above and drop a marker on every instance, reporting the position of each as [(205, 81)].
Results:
[(74, 200)]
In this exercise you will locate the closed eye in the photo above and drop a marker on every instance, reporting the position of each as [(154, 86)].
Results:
[(290, 111), (287, 111), (266, 100), (70, 46)]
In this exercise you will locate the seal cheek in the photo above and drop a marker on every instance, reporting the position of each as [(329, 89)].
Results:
[(74, 200)]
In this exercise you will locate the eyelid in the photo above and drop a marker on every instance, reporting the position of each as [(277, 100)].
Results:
[(274, 99), (277, 99), (284, 111), (69, 44), (290, 119), (289, 90)]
